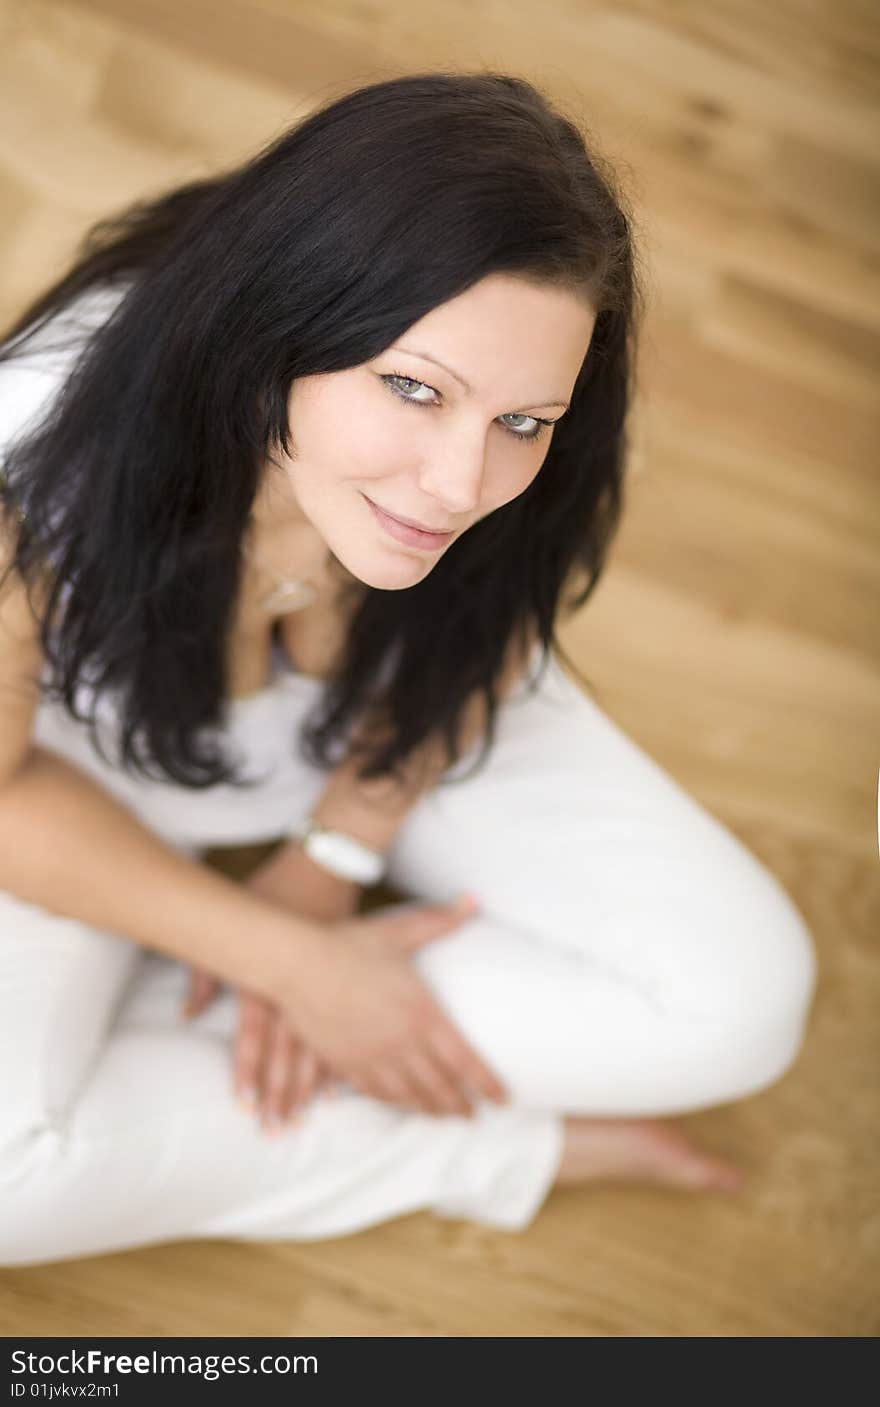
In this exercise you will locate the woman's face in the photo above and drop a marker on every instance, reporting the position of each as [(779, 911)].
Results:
[(404, 433)]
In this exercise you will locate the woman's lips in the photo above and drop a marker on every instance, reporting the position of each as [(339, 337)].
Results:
[(402, 532)]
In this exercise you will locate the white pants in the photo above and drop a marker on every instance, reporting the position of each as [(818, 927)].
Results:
[(631, 958)]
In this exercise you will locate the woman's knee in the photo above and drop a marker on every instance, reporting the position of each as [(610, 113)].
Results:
[(759, 984)]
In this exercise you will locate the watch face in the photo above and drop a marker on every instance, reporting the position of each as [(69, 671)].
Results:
[(343, 855)]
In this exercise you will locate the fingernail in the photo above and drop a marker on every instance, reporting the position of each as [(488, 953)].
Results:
[(247, 1098)]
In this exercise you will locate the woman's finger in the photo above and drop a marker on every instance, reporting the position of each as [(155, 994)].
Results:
[(389, 1085), (203, 988), (328, 1083), (283, 1050), (435, 1084), (304, 1082), (251, 1036), (459, 1064)]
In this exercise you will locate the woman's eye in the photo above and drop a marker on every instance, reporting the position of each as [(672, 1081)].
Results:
[(394, 381), (408, 381), (520, 415)]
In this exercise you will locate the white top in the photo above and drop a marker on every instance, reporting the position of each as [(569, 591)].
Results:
[(260, 730), (30, 382)]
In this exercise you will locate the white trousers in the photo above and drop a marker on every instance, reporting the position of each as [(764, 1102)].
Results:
[(631, 958)]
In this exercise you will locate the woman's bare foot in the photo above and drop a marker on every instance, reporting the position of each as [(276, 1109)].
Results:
[(640, 1150)]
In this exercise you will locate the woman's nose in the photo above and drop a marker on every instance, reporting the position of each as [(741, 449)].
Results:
[(455, 480)]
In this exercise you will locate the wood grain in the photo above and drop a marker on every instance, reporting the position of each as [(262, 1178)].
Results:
[(734, 635)]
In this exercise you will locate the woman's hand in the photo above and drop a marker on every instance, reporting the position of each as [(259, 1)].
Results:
[(274, 1072), (356, 1000), (353, 1003)]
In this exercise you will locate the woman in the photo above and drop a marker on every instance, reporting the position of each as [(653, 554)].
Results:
[(211, 457)]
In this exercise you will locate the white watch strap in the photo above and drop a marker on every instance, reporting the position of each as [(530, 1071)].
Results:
[(339, 853)]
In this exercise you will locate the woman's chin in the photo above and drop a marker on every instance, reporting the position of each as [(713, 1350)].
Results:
[(392, 570)]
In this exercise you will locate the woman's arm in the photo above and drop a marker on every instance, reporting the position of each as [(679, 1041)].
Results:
[(67, 845), (70, 847), (373, 811)]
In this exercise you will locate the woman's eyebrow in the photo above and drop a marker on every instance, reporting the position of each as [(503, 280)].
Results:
[(460, 379)]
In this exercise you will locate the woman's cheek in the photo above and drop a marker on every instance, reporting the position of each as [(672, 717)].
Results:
[(507, 480), (382, 450)]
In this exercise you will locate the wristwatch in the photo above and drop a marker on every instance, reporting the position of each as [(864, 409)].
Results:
[(339, 853)]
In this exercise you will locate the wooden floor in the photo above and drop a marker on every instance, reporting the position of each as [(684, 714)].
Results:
[(734, 635)]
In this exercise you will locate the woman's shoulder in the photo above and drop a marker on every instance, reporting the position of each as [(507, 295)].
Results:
[(36, 362), (64, 330)]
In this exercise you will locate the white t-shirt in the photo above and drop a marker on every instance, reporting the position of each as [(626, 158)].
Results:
[(260, 729), (30, 381)]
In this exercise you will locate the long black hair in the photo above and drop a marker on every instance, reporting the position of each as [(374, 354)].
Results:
[(313, 257)]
